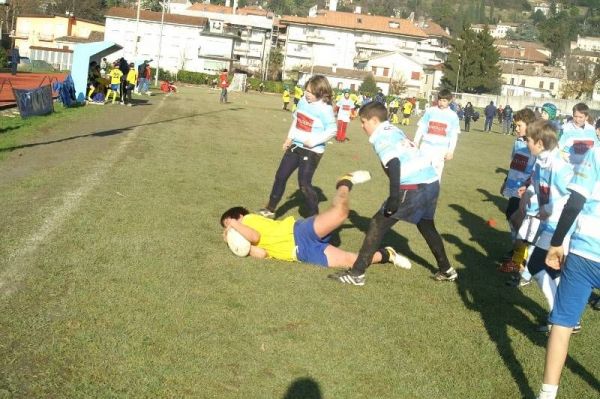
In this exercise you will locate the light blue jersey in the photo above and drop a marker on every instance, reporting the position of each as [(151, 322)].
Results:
[(585, 241), (575, 141), (438, 131), (521, 166), (313, 125), (389, 142), (551, 175)]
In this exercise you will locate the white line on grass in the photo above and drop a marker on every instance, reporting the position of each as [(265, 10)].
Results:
[(16, 265)]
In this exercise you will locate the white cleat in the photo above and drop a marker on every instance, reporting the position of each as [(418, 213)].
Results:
[(398, 260)]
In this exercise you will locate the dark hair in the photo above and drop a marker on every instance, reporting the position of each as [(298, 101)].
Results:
[(526, 115), (544, 131), (373, 109), (319, 86), (581, 107), (445, 94), (598, 124), (234, 213)]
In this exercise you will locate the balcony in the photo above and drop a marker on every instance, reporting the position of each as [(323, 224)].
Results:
[(372, 45), (311, 38), (45, 37), (20, 35)]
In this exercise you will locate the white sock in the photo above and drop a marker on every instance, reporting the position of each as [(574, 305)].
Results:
[(548, 391)]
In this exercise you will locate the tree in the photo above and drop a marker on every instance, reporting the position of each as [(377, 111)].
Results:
[(472, 65), (557, 32), (275, 64), (582, 77), (398, 86), (526, 32), (368, 85)]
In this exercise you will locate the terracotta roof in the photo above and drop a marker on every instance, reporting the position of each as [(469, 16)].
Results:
[(584, 53), (211, 8), (51, 49), (89, 21), (342, 73), (433, 29), (130, 13), (361, 22), (524, 54), (520, 43), (94, 36), (532, 70)]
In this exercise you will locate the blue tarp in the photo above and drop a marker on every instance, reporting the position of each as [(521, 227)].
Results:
[(66, 91), (36, 101), (83, 54)]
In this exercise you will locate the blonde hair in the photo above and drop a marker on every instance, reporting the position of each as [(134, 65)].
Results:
[(319, 86), (544, 131)]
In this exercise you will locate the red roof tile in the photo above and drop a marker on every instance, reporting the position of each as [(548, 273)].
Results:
[(361, 22), (131, 13)]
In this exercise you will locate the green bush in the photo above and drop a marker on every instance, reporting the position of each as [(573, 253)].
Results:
[(3, 58)]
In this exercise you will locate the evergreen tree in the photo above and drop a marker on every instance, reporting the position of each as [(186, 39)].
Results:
[(368, 85), (472, 65)]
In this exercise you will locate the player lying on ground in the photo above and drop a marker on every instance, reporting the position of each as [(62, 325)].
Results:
[(305, 240)]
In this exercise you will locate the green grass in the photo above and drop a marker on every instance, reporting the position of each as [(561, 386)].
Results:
[(132, 293)]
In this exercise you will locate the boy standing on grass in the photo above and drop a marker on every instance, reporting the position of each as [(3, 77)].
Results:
[(286, 98), (130, 83), (549, 180), (344, 106), (438, 131), (115, 75), (306, 240), (414, 190), (581, 271), (223, 84)]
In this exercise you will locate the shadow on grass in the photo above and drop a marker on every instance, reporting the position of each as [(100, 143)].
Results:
[(497, 200), (303, 388), (113, 132), (391, 238), (296, 199), (8, 129), (501, 308)]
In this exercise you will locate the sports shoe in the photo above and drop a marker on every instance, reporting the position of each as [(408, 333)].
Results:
[(449, 275), (356, 177), (266, 213), (517, 281), (509, 266), (545, 328), (397, 259), (348, 278)]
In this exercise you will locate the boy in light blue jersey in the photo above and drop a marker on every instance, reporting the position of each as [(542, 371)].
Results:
[(414, 190), (577, 136), (438, 131), (551, 175), (580, 272), (313, 125)]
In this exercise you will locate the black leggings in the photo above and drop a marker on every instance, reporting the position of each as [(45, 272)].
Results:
[(380, 225), (306, 162)]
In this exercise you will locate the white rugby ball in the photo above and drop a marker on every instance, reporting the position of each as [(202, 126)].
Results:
[(237, 243)]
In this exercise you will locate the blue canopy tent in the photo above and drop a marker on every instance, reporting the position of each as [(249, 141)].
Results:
[(83, 54)]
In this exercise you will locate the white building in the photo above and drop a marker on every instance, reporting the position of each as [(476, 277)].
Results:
[(253, 27), (498, 31), (531, 80), (183, 42), (544, 7), (586, 43), (331, 38)]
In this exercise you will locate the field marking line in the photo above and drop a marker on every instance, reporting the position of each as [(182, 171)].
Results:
[(14, 271)]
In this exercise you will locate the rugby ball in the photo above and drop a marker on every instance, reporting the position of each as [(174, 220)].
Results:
[(237, 243)]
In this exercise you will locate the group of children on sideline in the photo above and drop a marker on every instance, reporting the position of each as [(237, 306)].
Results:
[(552, 179), (553, 201), (117, 80)]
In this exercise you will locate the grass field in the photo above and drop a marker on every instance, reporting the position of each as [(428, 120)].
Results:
[(114, 281)]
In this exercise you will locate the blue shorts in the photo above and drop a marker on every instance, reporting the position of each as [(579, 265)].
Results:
[(579, 276), (115, 87), (310, 247), (418, 203)]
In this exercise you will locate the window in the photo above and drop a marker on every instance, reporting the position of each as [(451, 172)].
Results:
[(551, 85), (374, 70), (523, 82), (415, 75), (340, 85), (353, 87), (386, 71), (541, 84), (512, 81)]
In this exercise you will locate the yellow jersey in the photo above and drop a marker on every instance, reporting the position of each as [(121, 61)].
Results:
[(286, 96), (276, 236), (132, 76), (298, 92), (407, 107), (115, 76)]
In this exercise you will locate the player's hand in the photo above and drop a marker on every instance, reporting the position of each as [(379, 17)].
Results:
[(449, 156), (555, 257), (521, 190), (286, 144), (390, 207)]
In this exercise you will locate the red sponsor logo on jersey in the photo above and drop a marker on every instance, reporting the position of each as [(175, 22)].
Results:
[(544, 196), (580, 147), (346, 107), (304, 123), (519, 162), (437, 128)]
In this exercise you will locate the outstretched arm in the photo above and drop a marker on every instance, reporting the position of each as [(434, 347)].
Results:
[(393, 172)]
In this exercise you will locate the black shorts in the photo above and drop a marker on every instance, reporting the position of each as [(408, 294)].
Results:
[(418, 202)]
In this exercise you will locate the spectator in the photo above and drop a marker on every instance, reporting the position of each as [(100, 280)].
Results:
[(489, 112)]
